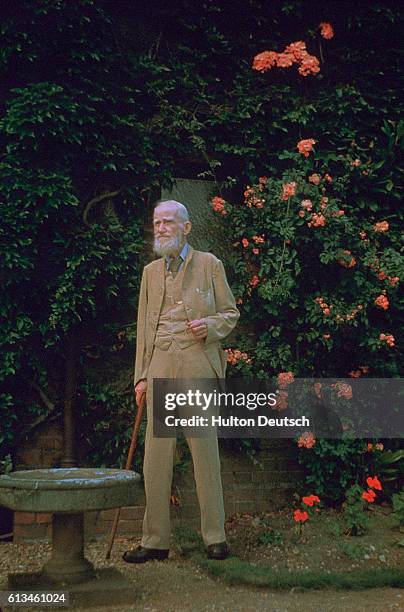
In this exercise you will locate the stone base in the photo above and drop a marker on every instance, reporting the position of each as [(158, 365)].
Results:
[(109, 587)]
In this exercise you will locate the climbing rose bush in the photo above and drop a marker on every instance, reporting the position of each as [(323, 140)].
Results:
[(314, 223), (316, 276)]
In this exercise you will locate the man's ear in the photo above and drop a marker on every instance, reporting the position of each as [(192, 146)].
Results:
[(187, 227)]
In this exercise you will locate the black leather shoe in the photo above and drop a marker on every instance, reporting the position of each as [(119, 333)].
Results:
[(141, 555), (218, 551)]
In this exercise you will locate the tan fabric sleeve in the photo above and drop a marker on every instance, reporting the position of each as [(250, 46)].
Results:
[(227, 314), (140, 360)]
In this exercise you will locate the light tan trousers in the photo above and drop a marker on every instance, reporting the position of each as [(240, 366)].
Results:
[(159, 457)]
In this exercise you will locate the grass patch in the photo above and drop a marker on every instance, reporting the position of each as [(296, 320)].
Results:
[(235, 571)]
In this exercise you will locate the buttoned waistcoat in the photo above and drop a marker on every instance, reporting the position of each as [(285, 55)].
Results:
[(205, 294)]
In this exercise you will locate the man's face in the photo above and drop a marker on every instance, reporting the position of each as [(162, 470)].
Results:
[(169, 232)]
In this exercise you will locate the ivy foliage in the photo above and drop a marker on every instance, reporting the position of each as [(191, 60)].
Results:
[(71, 205)]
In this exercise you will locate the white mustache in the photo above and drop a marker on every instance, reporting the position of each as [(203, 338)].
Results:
[(164, 245)]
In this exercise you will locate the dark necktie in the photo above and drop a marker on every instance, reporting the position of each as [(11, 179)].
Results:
[(175, 265)]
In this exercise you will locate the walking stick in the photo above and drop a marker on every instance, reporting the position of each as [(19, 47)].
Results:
[(128, 466)]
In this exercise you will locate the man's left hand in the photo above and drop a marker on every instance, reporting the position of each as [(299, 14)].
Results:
[(198, 328)]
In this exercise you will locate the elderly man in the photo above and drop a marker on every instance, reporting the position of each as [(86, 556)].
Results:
[(185, 308)]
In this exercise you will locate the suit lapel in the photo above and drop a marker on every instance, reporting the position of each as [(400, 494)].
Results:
[(157, 287), (188, 260)]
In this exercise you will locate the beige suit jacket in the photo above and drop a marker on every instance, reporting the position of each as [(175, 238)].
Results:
[(205, 294)]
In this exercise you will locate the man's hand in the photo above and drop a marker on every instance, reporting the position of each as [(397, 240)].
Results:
[(140, 390), (198, 328)]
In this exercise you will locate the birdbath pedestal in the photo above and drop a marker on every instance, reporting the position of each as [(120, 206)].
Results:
[(68, 493)]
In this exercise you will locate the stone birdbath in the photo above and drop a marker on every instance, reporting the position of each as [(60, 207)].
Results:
[(67, 493)]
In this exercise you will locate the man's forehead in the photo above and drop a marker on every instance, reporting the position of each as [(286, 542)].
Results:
[(166, 211)]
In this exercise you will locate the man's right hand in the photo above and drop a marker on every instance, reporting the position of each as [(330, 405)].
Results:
[(140, 390)]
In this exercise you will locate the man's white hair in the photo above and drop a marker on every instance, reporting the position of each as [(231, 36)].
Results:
[(181, 212)]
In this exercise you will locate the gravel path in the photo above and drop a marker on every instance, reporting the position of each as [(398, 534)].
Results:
[(178, 585)]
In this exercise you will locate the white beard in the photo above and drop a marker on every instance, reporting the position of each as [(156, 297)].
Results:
[(169, 246)]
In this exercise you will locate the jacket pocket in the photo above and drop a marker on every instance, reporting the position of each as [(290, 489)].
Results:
[(205, 300)]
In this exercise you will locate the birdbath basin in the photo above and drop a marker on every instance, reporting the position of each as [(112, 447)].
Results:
[(66, 493)]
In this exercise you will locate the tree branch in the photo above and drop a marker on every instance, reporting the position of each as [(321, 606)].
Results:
[(97, 200), (43, 417), (48, 403)]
